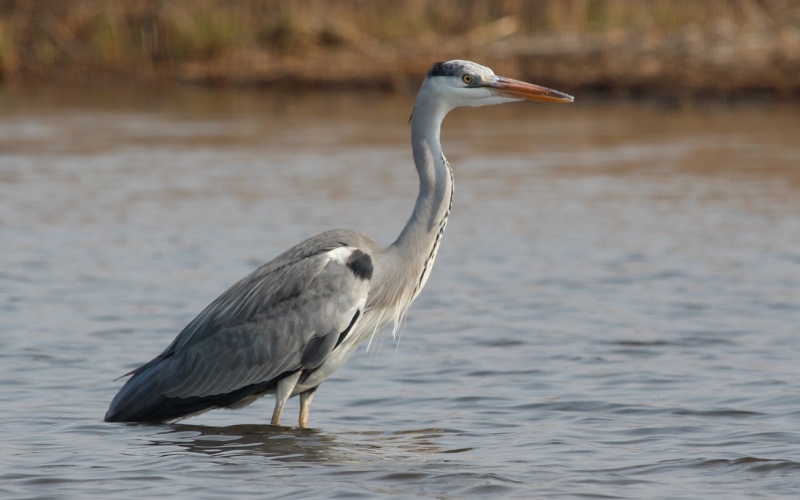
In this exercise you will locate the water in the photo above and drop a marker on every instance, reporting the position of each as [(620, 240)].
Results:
[(614, 311)]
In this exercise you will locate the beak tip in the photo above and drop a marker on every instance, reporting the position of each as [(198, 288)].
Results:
[(562, 97)]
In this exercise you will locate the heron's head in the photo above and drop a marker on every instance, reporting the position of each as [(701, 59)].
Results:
[(465, 83)]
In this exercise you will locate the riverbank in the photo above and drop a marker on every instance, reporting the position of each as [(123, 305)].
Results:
[(672, 48)]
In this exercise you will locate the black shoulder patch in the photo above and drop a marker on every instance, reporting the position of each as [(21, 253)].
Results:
[(361, 264), (443, 69)]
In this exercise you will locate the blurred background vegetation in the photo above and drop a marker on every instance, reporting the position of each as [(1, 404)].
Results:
[(619, 47)]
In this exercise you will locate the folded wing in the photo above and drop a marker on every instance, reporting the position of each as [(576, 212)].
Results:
[(286, 316)]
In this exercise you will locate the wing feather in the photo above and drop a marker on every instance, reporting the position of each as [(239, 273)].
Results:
[(322, 300), (255, 332)]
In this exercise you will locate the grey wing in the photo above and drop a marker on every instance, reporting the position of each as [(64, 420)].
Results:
[(286, 316), (285, 277), (326, 294)]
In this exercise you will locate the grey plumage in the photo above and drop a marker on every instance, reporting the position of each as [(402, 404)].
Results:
[(290, 324)]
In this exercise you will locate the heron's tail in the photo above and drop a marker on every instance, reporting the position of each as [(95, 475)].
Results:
[(141, 399)]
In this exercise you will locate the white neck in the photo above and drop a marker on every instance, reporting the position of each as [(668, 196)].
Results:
[(419, 241)]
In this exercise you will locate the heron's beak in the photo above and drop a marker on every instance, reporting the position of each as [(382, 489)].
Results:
[(507, 87)]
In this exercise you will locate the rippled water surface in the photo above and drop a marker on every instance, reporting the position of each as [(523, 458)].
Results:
[(615, 310)]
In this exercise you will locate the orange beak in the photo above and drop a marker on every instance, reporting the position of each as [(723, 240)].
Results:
[(507, 87)]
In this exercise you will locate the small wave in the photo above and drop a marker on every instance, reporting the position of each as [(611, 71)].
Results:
[(754, 465)]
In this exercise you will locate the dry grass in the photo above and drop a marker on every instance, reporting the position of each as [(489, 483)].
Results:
[(319, 42)]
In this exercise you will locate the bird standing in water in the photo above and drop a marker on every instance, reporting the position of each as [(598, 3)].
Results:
[(291, 323)]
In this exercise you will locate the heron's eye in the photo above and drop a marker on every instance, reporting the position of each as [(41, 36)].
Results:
[(467, 79)]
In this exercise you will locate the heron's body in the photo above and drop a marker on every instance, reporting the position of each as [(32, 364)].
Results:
[(290, 324)]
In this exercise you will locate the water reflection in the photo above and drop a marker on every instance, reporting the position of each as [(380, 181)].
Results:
[(283, 444), (291, 444)]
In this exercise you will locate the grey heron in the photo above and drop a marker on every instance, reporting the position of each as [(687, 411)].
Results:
[(290, 324)]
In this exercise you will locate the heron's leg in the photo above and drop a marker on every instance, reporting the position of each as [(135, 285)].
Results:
[(305, 404), (284, 390)]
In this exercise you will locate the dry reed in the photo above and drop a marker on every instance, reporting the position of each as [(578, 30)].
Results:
[(619, 45)]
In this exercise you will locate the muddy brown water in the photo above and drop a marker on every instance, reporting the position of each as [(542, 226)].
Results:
[(614, 311)]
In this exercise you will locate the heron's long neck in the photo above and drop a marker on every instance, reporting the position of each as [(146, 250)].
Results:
[(419, 241)]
